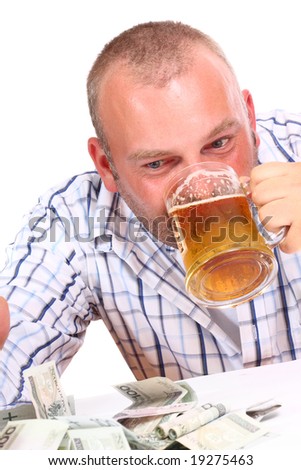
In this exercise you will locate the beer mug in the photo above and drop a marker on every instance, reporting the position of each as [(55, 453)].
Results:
[(226, 250)]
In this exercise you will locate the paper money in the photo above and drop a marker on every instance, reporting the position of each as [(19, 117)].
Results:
[(104, 438), (152, 397), (260, 410), (26, 411), (163, 415), (46, 391), (153, 391), (32, 434), (85, 422), (232, 431), (95, 433), (18, 413), (142, 426), (80, 422), (190, 420)]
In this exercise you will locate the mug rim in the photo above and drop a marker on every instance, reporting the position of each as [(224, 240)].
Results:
[(176, 176)]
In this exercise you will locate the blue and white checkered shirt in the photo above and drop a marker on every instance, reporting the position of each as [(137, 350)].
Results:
[(82, 255)]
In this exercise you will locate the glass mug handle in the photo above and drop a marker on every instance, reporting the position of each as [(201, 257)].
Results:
[(272, 239)]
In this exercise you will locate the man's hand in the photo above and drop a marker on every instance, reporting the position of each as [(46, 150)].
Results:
[(276, 191), (4, 321)]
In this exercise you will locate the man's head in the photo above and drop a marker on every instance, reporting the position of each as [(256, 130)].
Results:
[(163, 96), (153, 52)]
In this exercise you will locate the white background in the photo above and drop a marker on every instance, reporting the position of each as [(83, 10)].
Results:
[(47, 48)]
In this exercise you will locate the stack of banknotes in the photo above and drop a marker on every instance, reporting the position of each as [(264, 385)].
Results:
[(163, 415)]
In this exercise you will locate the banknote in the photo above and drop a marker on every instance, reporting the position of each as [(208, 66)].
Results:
[(186, 422), (145, 425), (232, 431), (46, 391), (152, 397), (86, 422), (262, 409), (153, 391), (16, 413), (26, 411), (32, 434), (104, 438)]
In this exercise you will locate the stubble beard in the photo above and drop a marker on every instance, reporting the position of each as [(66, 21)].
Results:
[(160, 226)]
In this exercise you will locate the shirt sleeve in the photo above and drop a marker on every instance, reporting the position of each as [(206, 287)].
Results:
[(50, 303)]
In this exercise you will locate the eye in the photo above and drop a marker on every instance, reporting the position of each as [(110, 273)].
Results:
[(219, 143), (155, 165)]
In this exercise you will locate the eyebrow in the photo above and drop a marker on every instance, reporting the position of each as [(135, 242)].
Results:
[(157, 154), (148, 154), (222, 127)]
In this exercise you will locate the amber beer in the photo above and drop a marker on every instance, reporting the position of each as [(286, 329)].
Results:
[(225, 256)]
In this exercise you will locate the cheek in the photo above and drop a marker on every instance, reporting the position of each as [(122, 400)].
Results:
[(245, 160), (155, 199), (153, 203), (142, 193), (150, 194)]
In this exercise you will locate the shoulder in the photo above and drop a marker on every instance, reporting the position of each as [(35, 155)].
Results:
[(78, 188), (279, 121), (280, 134)]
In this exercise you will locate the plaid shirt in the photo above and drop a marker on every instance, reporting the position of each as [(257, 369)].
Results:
[(82, 255)]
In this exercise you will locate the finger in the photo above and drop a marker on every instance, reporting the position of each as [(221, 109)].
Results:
[(292, 240), (268, 170), (276, 214), (270, 189), (4, 321)]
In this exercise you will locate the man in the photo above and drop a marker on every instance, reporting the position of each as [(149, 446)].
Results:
[(162, 96)]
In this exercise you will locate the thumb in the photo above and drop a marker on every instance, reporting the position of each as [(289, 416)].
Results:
[(4, 321)]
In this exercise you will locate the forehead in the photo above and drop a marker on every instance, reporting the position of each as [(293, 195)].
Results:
[(207, 79), (187, 109)]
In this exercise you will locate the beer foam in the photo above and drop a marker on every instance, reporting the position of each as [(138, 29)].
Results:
[(204, 201), (200, 184)]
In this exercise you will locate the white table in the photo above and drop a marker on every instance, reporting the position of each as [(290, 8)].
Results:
[(240, 389)]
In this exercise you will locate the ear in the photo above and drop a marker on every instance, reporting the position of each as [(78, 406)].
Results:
[(101, 164), (251, 113)]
